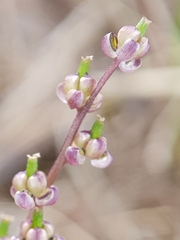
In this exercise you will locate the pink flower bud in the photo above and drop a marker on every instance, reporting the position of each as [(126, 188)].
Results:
[(24, 200), (37, 183), (95, 148), (82, 138), (75, 99), (19, 181), (102, 162), (74, 156), (36, 234), (48, 197)]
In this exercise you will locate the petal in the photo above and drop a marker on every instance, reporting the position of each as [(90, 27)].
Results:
[(36, 234), (37, 183), (74, 156), (109, 45), (95, 148), (60, 93), (12, 191), (127, 32), (75, 99), (24, 227), (97, 103), (24, 200), (49, 197), (19, 181), (102, 162), (128, 49), (144, 47), (130, 66), (87, 85), (59, 238), (48, 227), (82, 138), (70, 82)]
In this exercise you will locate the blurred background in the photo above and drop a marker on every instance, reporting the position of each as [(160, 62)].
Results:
[(41, 41)]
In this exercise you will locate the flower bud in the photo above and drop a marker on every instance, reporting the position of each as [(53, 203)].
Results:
[(19, 181), (37, 183), (74, 156), (95, 148), (96, 103), (102, 162)]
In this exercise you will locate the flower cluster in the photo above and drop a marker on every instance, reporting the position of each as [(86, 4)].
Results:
[(27, 231), (29, 188), (113, 45), (76, 89), (90, 145)]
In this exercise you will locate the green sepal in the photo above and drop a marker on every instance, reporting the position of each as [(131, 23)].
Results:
[(32, 164), (143, 25), (84, 66), (4, 227), (37, 219), (97, 128)]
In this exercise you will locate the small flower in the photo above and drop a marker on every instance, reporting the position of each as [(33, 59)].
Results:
[(29, 188), (129, 45)]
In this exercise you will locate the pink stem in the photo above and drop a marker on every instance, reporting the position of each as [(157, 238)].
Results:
[(60, 160)]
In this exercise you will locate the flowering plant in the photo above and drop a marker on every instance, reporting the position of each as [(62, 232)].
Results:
[(32, 189)]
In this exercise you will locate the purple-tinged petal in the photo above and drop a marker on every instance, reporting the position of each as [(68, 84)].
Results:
[(60, 93), (144, 47), (70, 82), (24, 227), (36, 234), (128, 49), (97, 103), (82, 138), (128, 32), (12, 191), (58, 238), (24, 200), (74, 156), (130, 66), (19, 181), (37, 183), (49, 228), (75, 99), (109, 45), (95, 148), (103, 162), (87, 85), (49, 197)]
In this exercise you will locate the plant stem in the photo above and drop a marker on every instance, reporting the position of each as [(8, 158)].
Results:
[(60, 160)]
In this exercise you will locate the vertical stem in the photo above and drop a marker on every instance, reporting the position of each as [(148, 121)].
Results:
[(60, 160)]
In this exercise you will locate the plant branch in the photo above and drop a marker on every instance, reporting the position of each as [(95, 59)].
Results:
[(60, 160)]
